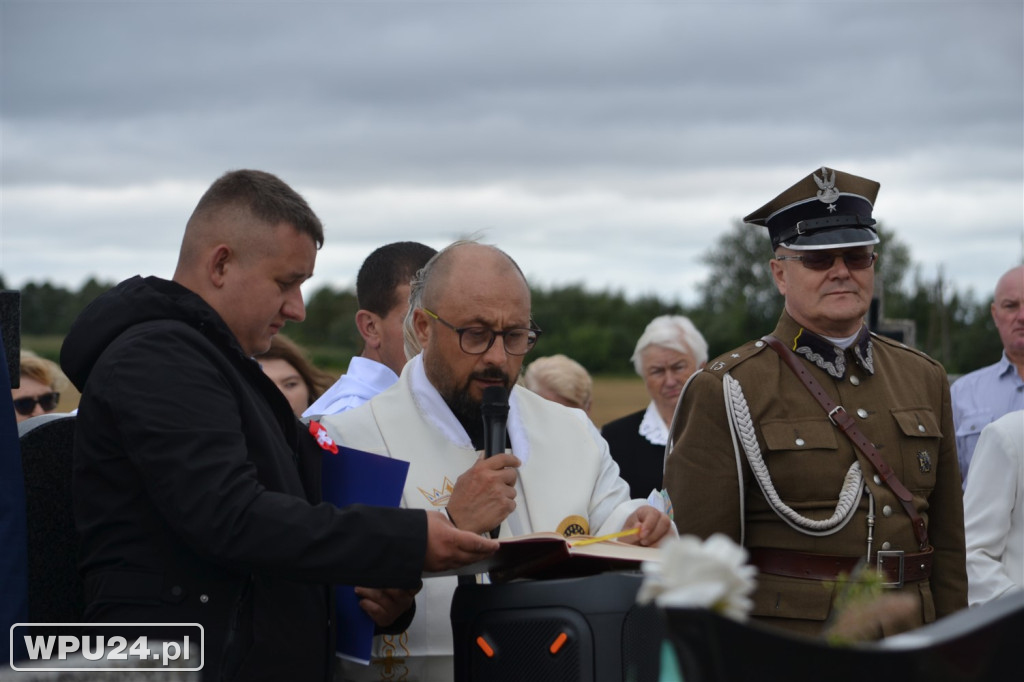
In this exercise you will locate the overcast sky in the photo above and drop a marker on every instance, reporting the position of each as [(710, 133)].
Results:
[(603, 143)]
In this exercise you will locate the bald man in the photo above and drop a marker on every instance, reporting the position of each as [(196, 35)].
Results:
[(470, 311), (196, 489), (986, 394)]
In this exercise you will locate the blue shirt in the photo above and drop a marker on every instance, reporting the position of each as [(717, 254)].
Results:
[(364, 379), (979, 398)]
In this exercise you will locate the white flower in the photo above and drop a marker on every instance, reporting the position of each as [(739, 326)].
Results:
[(712, 574)]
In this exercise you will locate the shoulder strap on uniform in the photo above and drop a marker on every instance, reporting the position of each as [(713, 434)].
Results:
[(840, 418)]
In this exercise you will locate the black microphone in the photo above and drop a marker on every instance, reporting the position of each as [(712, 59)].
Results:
[(494, 410)]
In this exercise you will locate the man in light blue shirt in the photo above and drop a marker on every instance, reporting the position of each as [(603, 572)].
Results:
[(382, 291), (984, 395)]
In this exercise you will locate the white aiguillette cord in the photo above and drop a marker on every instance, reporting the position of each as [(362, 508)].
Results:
[(839, 417)]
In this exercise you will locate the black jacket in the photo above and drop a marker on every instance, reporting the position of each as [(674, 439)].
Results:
[(196, 492), (641, 462)]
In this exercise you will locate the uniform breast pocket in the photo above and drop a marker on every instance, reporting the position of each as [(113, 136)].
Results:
[(920, 439), (803, 457)]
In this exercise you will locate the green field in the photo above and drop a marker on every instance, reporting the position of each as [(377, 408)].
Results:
[(613, 398), (616, 397)]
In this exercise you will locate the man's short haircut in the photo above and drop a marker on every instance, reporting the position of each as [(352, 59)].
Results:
[(268, 198), (386, 269), (671, 331)]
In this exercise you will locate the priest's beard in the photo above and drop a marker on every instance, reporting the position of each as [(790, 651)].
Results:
[(457, 395)]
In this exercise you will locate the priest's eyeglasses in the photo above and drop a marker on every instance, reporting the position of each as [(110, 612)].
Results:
[(823, 260), (478, 340)]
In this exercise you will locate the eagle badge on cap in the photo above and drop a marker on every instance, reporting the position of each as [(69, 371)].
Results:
[(827, 192)]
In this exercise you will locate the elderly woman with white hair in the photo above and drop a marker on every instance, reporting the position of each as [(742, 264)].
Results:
[(668, 352)]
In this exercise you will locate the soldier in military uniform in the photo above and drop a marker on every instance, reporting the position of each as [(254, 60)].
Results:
[(754, 455)]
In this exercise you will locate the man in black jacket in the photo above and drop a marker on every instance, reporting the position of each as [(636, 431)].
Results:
[(196, 491)]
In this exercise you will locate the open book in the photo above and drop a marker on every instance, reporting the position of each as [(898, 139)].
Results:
[(549, 555)]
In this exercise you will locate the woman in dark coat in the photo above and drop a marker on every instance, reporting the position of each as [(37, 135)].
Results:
[(668, 352)]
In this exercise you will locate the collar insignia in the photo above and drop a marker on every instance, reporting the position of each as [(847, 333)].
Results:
[(832, 359)]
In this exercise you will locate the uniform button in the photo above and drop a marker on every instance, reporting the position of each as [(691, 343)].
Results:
[(878, 479), (862, 413), (800, 441), (176, 591), (203, 599), (886, 510), (759, 344), (920, 427), (886, 545), (855, 381)]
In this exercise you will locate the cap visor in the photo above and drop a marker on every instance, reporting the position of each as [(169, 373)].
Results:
[(838, 238)]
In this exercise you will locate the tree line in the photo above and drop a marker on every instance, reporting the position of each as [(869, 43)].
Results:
[(737, 302)]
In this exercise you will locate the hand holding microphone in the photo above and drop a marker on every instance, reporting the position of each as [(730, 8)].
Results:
[(485, 493)]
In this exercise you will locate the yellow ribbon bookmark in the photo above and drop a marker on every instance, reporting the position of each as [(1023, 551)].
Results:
[(610, 536)]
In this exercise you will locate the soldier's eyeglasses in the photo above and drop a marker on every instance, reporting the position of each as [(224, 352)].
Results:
[(478, 340), (817, 260), (26, 406)]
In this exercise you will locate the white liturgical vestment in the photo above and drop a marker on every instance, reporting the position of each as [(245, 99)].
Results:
[(567, 478)]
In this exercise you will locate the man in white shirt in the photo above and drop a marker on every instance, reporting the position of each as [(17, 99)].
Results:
[(382, 292)]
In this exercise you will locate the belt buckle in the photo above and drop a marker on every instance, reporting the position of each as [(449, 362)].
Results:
[(882, 558), (837, 411)]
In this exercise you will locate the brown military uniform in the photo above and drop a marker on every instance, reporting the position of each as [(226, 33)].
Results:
[(900, 399)]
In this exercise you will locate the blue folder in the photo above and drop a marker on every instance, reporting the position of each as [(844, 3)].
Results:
[(357, 477)]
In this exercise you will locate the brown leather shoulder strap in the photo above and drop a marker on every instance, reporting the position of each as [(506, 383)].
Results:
[(839, 417)]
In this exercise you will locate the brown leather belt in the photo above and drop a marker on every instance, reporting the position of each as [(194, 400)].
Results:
[(895, 567)]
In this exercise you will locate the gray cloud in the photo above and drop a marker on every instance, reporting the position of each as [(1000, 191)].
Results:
[(606, 143)]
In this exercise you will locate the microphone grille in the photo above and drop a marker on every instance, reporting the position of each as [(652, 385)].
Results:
[(495, 395)]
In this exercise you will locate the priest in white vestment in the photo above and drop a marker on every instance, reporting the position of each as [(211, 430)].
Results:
[(557, 475)]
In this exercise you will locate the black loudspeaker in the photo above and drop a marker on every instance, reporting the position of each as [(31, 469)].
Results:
[(563, 630)]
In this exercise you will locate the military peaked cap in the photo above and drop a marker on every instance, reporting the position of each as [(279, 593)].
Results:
[(828, 209)]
